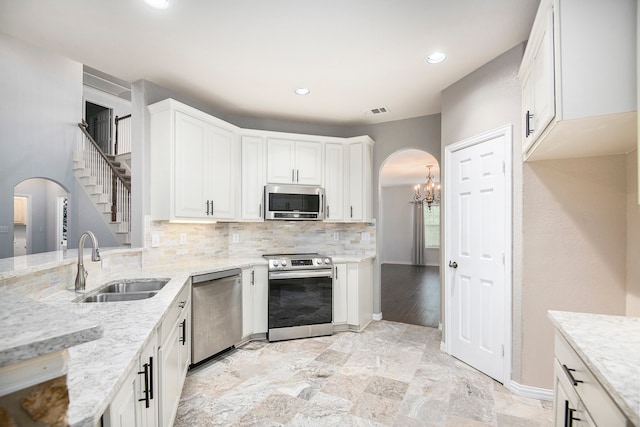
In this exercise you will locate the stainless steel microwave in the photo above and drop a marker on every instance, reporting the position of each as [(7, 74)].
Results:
[(293, 202)]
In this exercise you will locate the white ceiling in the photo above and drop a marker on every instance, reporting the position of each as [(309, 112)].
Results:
[(245, 57)]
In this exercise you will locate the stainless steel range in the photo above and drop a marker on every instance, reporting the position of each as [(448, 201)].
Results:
[(300, 296)]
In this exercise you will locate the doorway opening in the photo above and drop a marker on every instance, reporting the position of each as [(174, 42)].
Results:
[(410, 258), (100, 119), (40, 217)]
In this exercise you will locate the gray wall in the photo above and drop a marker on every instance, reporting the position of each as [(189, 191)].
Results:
[(41, 106), (486, 99), (421, 133), (397, 236)]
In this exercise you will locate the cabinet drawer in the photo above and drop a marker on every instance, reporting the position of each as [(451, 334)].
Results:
[(174, 313), (597, 401)]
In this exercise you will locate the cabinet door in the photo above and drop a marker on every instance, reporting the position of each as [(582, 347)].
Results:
[(280, 161), (340, 293), (543, 76), (253, 179), (148, 411), (248, 280), (184, 343), (220, 172), (260, 299), (308, 161), (192, 157), (170, 372), (124, 409), (334, 181), (359, 187)]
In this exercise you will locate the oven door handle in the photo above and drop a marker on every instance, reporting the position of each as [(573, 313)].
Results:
[(301, 274)]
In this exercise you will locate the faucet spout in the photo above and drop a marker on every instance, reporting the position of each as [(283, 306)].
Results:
[(81, 277)]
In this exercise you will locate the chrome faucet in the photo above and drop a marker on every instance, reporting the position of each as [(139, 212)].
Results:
[(81, 277)]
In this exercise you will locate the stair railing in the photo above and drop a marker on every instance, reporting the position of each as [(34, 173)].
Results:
[(112, 181), (123, 135)]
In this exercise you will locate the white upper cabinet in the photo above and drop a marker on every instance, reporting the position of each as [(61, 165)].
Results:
[(334, 181), (294, 162), (359, 179), (253, 178), (194, 164), (578, 78)]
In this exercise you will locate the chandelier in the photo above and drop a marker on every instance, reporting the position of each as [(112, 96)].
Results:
[(431, 190)]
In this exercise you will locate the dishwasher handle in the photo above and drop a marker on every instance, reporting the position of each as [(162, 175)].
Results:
[(201, 278)]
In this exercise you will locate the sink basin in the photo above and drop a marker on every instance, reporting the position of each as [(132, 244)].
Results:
[(128, 286), (112, 297), (126, 290)]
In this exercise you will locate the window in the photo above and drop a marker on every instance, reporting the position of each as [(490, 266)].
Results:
[(431, 226)]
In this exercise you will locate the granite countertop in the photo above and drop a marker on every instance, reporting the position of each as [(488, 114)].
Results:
[(610, 347), (97, 369), (31, 329)]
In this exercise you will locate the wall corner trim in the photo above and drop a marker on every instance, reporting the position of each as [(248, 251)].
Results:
[(530, 391), (377, 316)]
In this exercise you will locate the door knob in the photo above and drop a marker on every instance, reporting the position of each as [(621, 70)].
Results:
[(453, 264)]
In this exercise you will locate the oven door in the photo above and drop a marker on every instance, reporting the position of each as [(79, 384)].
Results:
[(299, 299)]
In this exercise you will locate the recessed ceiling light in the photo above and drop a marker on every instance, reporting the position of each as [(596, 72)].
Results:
[(436, 58), (302, 91), (158, 4)]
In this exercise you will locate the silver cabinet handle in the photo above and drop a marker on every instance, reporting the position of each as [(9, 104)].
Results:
[(453, 264)]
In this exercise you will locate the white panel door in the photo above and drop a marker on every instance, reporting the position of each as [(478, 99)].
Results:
[(192, 154), (334, 181), (220, 173), (252, 177), (280, 161), (308, 163), (476, 215)]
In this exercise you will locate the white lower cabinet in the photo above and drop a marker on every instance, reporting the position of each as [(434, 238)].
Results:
[(254, 301), (359, 294), (579, 399), (248, 278), (174, 354), (352, 295), (136, 404), (339, 294)]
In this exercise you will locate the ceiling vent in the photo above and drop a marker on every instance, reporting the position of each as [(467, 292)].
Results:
[(376, 111)]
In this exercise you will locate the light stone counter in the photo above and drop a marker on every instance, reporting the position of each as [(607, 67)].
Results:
[(30, 329), (98, 369), (342, 258), (610, 347)]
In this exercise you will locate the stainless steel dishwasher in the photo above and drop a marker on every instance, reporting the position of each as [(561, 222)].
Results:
[(216, 313)]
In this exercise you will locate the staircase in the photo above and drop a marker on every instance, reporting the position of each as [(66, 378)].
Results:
[(107, 184)]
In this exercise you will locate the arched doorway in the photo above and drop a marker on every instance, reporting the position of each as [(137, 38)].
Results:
[(410, 256), (40, 220)]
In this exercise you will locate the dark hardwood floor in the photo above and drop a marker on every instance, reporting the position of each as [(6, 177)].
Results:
[(411, 294)]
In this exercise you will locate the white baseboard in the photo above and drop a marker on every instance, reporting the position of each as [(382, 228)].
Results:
[(529, 391), (377, 316)]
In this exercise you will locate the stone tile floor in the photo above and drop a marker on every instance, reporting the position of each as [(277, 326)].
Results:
[(391, 374)]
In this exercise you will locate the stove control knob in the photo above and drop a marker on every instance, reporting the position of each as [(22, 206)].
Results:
[(318, 261), (284, 262), (327, 260), (275, 262)]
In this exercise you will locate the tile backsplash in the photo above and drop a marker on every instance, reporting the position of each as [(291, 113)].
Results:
[(253, 239)]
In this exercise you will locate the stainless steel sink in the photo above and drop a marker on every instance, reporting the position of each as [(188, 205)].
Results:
[(127, 286), (112, 297), (126, 290)]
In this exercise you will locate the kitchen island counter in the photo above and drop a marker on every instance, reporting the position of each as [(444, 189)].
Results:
[(610, 348)]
